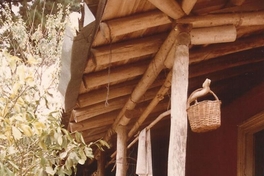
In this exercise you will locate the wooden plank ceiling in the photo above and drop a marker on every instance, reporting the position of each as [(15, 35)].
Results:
[(123, 61)]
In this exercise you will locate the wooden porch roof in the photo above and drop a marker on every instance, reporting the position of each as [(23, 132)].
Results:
[(121, 63)]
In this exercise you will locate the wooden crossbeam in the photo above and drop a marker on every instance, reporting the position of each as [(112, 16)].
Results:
[(237, 19)]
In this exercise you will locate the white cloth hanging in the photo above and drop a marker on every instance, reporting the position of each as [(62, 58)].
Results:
[(144, 158)]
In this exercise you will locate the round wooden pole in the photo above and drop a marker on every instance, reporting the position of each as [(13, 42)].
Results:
[(178, 130), (210, 35), (121, 148)]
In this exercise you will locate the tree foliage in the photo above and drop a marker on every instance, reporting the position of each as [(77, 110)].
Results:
[(32, 139)]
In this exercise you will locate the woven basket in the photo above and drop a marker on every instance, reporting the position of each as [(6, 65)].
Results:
[(205, 115)]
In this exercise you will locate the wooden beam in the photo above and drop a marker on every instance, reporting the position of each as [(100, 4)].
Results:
[(229, 73), (247, 6), (114, 55), (93, 80), (195, 56), (95, 132), (119, 53), (116, 75), (117, 27), (237, 19), (82, 114), (153, 70), (169, 7), (248, 30), (217, 50), (104, 119), (187, 5), (237, 2), (121, 148), (115, 91), (178, 129), (220, 63), (94, 138), (148, 78), (210, 35), (107, 119), (123, 52), (159, 96)]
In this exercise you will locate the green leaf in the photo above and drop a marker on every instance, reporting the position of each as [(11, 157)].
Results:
[(50, 171), (26, 130), (63, 155), (104, 143), (59, 139), (16, 133), (68, 163), (82, 157), (88, 152), (79, 137)]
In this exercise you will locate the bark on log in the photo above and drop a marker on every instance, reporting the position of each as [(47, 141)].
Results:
[(178, 130), (237, 19), (121, 148), (169, 7)]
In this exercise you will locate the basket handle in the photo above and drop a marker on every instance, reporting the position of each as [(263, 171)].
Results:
[(195, 95)]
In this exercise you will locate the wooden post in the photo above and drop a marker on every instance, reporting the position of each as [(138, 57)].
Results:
[(121, 148), (101, 164), (178, 130)]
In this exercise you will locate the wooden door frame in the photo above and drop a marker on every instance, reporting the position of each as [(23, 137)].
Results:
[(246, 158)]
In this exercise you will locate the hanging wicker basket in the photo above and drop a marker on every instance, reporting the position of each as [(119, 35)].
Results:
[(205, 115)]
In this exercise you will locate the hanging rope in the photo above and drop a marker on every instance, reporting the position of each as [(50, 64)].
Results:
[(109, 67)]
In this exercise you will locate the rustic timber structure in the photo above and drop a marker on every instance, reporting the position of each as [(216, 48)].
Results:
[(141, 58)]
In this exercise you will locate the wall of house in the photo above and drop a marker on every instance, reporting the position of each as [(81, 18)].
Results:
[(208, 154), (215, 153)]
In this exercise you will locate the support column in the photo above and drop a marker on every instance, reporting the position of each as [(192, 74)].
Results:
[(121, 148), (178, 130), (101, 164)]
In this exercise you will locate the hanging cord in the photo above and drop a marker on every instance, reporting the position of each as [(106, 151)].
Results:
[(109, 67)]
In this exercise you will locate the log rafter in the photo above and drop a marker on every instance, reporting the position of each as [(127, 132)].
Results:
[(237, 19)]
